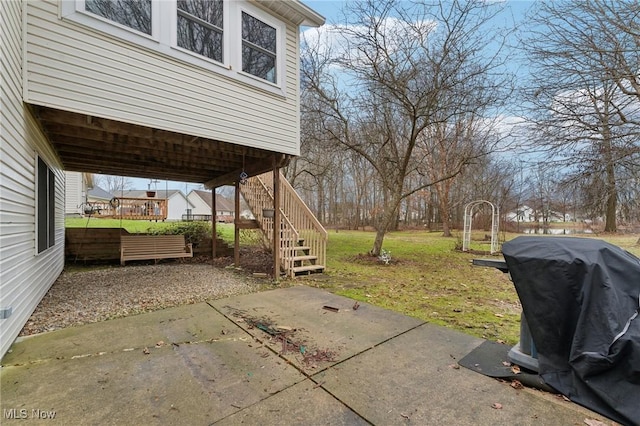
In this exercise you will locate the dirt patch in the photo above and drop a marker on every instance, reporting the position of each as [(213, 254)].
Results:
[(286, 339), (252, 260)]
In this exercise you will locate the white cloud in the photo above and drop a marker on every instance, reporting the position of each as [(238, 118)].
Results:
[(338, 40)]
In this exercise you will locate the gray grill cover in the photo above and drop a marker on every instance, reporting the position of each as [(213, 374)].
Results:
[(580, 296)]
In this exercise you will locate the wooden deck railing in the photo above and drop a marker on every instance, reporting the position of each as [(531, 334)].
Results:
[(129, 208), (298, 222)]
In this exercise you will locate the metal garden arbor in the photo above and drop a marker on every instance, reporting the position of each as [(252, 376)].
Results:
[(468, 219)]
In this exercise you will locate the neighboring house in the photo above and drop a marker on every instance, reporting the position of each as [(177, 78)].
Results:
[(527, 214), (177, 202), (77, 186), (120, 88), (201, 201), (98, 195), (98, 202)]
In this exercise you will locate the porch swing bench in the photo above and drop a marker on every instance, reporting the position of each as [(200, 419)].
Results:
[(153, 247)]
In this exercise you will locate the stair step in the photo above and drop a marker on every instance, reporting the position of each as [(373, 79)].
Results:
[(307, 268), (291, 243), (305, 257)]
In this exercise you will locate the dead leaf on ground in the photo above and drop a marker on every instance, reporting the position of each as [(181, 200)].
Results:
[(496, 405), (146, 351), (506, 363), (515, 369), (516, 384), (454, 366)]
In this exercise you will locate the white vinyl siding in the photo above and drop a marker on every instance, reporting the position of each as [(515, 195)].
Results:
[(25, 276), (75, 68), (74, 193), (177, 206), (200, 207)]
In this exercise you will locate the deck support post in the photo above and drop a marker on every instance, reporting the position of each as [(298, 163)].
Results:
[(214, 232), (236, 245), (276, 221)]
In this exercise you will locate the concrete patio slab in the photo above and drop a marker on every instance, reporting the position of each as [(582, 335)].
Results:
[(303, 404), (346, 332), (203, 382), (174, 325), (417, 381), (202, 365)]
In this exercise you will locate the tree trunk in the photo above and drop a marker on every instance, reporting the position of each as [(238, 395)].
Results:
[(612, 201), (612, 191), (442, 190), (377, 243), (385, 223)]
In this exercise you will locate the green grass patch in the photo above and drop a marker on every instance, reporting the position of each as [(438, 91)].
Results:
[(429, 279)]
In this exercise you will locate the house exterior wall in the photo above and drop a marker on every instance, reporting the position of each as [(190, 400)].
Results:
[(200, 207), (73, 67), (25, 275), (177, 206), (74, 194)]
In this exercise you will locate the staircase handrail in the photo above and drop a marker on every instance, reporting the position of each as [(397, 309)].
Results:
[(313, 219)]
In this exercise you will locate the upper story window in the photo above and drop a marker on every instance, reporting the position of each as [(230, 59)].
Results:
[(135, 14), (231, 37), (200, 25), (259, 48)]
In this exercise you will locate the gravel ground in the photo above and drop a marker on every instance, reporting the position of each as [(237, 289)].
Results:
[(106, 292)]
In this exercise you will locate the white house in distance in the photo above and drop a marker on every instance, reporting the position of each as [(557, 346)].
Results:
[(526, 214), (201, 201), (177, 202), (200, 92)]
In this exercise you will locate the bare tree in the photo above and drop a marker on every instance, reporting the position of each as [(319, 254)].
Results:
[(580, 112), (615, 42), (113, 184), (410, 65)]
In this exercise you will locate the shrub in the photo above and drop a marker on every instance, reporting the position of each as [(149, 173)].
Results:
[(194, 232)]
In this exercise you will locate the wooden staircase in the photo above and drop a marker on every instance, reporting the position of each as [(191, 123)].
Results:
[(303, 240)]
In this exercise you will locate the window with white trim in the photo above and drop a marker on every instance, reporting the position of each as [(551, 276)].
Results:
[(229, 37), (45, 206), (259, 48), (200, 27), (135, 14)]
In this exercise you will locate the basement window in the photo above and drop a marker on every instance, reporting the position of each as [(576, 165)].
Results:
[(45, 205)]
